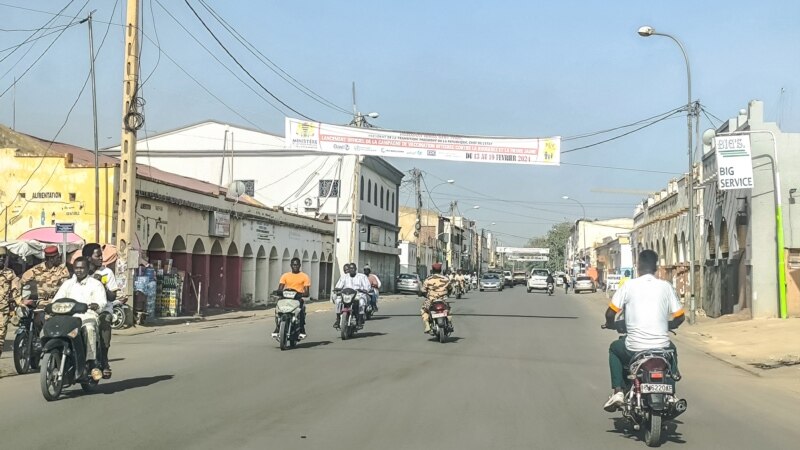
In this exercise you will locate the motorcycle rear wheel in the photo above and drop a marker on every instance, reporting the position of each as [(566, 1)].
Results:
[(442, 325), (652, 435), (118, 318), (22, 353), (282, 335), (48, 376)]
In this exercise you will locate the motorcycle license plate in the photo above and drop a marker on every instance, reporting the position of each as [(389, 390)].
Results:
[(436, 315), (648, 388)]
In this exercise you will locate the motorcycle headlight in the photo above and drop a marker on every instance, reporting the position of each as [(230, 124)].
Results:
[(62, 307), (73, 334)]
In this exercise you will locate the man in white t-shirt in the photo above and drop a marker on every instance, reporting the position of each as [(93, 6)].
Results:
[(94, 253), (358, 282), (651, 309)]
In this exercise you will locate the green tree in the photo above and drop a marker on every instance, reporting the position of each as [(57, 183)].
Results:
[(556, 241)]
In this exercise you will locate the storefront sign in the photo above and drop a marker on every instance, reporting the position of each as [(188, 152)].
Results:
[(219, 224), (524, 251), (734, 162), (264, 231), (46, 195), (323, 137)]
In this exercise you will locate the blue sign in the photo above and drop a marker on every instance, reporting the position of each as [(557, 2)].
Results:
[(65, 228)]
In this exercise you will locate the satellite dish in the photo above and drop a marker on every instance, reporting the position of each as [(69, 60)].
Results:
[(237, 189)]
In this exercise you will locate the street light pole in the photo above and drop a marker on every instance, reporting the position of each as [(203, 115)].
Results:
[(583, 224), (647, 31)]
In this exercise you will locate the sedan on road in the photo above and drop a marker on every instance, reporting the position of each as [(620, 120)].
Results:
[(490, 281), (408, 283), (583, 283)]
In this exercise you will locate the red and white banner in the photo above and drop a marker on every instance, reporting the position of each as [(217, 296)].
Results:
[(323, 137)]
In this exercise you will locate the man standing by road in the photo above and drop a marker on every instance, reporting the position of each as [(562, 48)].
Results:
[(375, 282), (435, 287), (9, 291), (299, 282), (94, 254)]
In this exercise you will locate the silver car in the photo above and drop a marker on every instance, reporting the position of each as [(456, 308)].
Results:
[(583, 283), (408, 283), (491, 281)]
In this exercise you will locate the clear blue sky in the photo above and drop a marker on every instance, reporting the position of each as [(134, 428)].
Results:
[(511, 68)]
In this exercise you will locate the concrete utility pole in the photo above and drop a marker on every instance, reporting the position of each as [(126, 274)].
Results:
[(360, 121), (96, 143), (131, 122), (416, 174), (452, 253)]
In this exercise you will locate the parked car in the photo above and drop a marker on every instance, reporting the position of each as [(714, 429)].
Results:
[(559, 280), (408, 283), (490, 281), (520, 277), (508, 278), (538, 279), (584, 283)]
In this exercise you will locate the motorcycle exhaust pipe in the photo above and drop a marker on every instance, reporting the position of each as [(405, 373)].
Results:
[(680, 407)]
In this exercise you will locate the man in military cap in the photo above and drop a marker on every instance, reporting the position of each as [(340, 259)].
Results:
[(435, 287), (45, 278), (9, 291)]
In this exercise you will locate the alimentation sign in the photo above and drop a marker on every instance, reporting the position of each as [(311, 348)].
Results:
[(734, 162)]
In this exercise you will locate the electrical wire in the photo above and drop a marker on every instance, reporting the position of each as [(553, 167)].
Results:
[(13, 47), (271, 65), (620, 135), (595, 133), (630, 169), (427, 191), (242, 67), (28, 39)]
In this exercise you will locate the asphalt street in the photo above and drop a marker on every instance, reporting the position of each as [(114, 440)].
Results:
[(521, 371)]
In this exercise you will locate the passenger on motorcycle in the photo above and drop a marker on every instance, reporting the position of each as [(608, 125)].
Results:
[(460, 280), (435, 287), (358, 282), (651, 309), (85, 289), (551, 282), (375, 282), (94, 254), (300, 282)]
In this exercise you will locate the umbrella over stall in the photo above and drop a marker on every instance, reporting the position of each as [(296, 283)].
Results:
[(49, 235)]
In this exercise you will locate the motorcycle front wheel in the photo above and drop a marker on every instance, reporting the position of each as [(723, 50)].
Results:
[(282, 335), (49, 380), (652, 434), (344, 325), (22, 353)]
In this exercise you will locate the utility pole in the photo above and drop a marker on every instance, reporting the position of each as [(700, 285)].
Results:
[(96, 143), (416, 174), (451, 254), (358, 121), (131, 122)]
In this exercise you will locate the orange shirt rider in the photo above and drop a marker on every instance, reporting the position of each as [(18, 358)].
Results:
[(295, 279)]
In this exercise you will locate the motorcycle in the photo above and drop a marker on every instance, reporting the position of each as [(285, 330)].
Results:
[(650, 398), (457, 289), (439, 321), (549, 288), (27, 345), (287, 313), (64, 350), (120, 315), (369, 310), (348, 319)]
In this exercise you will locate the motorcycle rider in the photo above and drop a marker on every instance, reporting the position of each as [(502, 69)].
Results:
[(85, 289), (375, 282), (459, 278), (9, 291), (94, 254), (435, 287), (300, 282), (651, 309), (43, 281), (358, 282), (551, 282)]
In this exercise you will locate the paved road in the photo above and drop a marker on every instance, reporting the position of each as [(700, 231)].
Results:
[(522, 371)]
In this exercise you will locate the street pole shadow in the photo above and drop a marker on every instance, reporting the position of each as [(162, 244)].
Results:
[(515, 316), (669, 433), (379, 318)]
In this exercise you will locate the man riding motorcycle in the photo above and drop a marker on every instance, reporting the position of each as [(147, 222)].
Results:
[(551, 282), (651, 309), (85, 289), (358, 282), (459, 278), (300, 282), (435, 287), (94, 254), (375, 282)]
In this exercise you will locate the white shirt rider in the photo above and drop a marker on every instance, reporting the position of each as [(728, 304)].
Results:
[(648, 304)]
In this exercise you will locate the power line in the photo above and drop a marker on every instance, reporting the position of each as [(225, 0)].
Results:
[(594, 133), (630, 169), (242, 67), (621, 135), (29, 38), (271, 65)]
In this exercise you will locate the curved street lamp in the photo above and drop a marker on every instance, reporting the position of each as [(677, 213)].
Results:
[(647, 31)]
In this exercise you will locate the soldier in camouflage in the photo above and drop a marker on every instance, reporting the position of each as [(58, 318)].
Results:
[(435, 287), (44, 279), (9, 291)]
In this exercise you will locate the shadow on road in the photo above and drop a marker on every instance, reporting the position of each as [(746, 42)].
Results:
[(512, 316), (367, 334), (379, 318), (669, 433), (133, 383), (313, 344), (116, 359), (450, 339)]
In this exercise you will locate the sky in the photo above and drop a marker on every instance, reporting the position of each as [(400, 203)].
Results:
[(500, 68)]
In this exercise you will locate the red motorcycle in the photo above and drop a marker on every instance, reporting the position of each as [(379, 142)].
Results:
[(439, 320)]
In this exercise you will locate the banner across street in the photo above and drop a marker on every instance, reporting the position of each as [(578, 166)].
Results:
[(323, 137)]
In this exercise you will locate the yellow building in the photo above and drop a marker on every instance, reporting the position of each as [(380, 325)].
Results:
[(45, 183)]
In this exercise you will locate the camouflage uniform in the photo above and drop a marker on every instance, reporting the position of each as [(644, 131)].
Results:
[(46, 281), (9, 291), (435, 287)]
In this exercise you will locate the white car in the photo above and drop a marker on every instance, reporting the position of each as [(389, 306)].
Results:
[(538, 279), (584, 283)]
